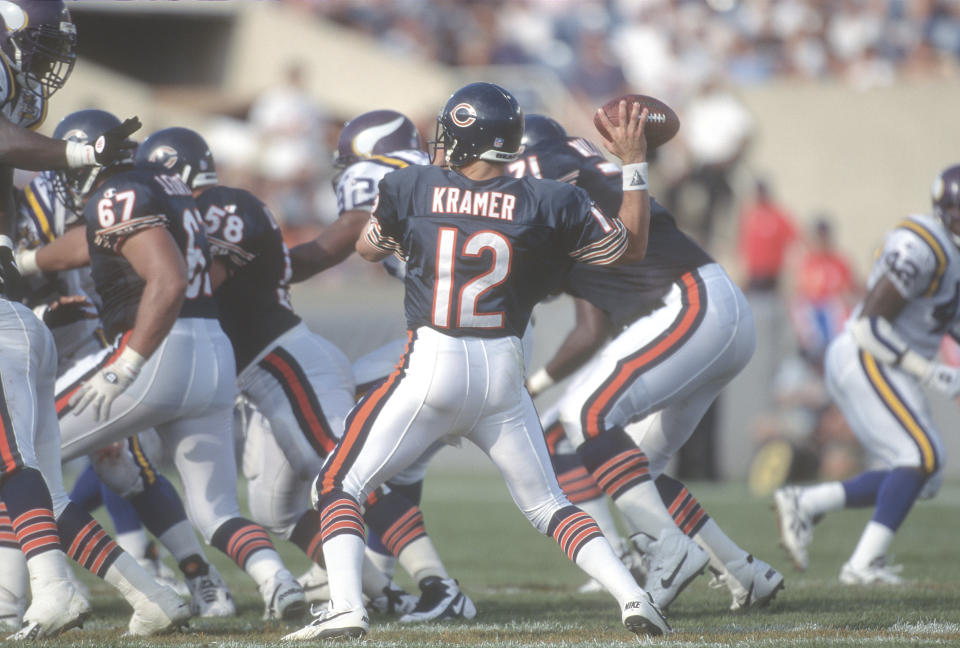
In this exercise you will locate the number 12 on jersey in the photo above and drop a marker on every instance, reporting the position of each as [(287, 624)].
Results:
[(464, 303)]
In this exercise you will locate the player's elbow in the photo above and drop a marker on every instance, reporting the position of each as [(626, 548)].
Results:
[(636, 250)]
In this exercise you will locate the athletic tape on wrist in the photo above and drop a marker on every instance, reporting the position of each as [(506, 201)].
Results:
[(635, 177), (80, 155)]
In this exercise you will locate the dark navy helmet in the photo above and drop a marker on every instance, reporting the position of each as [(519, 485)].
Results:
[(38, 41), (945, 196), (540, 128), (72, 186), (480, 121), (182, 152), (374, 133)]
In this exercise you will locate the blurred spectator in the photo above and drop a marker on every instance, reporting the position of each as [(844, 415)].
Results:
[(595, 76), (824, 293), (766, 232)]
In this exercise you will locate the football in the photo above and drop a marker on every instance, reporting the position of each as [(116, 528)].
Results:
[(662, 121)]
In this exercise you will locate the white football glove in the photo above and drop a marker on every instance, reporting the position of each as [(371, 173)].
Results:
[(107, 384), (944, 379)]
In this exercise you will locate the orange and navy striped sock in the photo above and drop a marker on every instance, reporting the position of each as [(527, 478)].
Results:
[(396, 520), (8, 538), (340, 514), (30, 512), (572, 529), (575, 481), (86, 542), (306, 535), (240, 538), (615, 462), (682, 505)]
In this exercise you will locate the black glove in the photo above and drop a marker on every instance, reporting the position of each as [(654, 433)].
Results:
[(68, 310), (11, 286), (114, 145)]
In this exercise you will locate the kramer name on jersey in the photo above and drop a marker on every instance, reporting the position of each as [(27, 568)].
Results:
[(492, 204)]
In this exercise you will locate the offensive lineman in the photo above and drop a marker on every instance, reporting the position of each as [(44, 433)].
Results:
[(481, 249), (37, 48), (876, 371), (658, 374)]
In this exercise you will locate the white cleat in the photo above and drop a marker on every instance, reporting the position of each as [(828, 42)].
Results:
[(752, 582), (878, 572), (209, 596), (55, 609), (795, 525), (440, 599), (644, 619), (394, 601), (315, 584), (673, 561), (162, 611), (331, 624), (283, 597)]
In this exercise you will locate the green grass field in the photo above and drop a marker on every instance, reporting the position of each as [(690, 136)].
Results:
[(524, 587)]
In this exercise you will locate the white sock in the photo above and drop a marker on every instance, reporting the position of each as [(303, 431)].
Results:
[(47, 567), (13, 575), (598, 559), (181, 541), (134, 543), (597, 509), (873, 543), (822, 498), (343, 556), (130, 579), (263, 565), (420, 559), (718, 545), (372, 579), (641, 504), (384, 562)]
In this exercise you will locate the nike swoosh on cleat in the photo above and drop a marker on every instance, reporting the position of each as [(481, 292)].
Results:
[(667, 582), (458, 606)]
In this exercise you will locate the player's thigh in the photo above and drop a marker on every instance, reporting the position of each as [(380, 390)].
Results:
[(202, 451), (24, 346), (885, 408), (277, 496)]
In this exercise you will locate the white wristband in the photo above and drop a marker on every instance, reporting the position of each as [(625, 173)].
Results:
[(80, 155), (915, 364), (27, 262), (539, 381), (132, 360), (635, 177)]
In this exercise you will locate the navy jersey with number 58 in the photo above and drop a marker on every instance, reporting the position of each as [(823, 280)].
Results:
[(254, 301), (481, 254), (124, 205)]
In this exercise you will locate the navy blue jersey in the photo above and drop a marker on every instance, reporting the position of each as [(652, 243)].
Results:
[(131, 202), (481, 254), (626, 291), (254, 301)]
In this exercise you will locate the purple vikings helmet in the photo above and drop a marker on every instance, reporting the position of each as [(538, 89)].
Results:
[(374, 133), (38, 42)]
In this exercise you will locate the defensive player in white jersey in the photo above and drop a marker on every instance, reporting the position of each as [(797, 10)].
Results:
[(37, 52), (482, 248), (370, 146), (876, 371)]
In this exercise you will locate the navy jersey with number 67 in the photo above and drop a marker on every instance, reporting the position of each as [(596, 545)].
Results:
[(626, 291), (481, 254), (131, 202), (254, 301)]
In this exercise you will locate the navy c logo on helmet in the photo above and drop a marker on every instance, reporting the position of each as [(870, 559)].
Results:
[(164, 155), (463, 114)]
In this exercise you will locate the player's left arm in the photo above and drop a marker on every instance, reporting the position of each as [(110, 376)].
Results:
[(590, 332), (331, 247), (64, 253), (24, 149)]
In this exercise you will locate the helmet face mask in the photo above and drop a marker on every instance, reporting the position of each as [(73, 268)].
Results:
[(72, 186), (480, 121), (39, 44), (945, 198)]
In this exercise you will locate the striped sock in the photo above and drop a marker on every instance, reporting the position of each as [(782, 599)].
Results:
[(615, 462), (240, 539), (572, 528), (306, 535), (8, 538), (340, 514), (30, 512), (687, 513), (396, 520), (86, 542), (577, 483)]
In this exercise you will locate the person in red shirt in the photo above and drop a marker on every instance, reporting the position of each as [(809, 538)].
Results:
[(766, 232)]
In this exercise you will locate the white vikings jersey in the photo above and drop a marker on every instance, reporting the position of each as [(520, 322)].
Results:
[(920, 259), (357, 185), (23, 108)]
